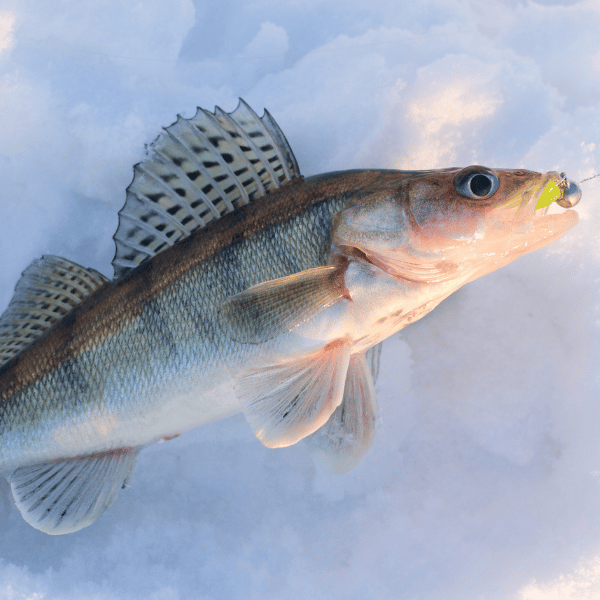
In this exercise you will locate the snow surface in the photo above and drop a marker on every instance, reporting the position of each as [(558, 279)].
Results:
[(483, 480)]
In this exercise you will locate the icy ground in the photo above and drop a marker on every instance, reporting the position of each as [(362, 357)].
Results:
[(483, 480)]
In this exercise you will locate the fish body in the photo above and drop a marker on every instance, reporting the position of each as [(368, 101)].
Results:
[(240, 286)]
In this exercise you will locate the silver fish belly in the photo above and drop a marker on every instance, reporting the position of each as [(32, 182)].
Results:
[(240, 286)]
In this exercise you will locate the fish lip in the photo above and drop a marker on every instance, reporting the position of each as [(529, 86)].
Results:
[(542, 228), (546, 229), (562, 182), (539, 217), (544, 220)]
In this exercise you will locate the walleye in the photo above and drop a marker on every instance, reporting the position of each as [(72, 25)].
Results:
[(240, 286)]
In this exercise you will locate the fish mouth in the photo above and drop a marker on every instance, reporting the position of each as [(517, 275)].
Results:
[(556, 189), (532, 226), (547, 228)]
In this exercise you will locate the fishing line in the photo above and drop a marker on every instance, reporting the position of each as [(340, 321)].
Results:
[(588, 178)]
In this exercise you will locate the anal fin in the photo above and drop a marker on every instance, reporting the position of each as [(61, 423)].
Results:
[(288, 401), (67, 495), (348, 434)]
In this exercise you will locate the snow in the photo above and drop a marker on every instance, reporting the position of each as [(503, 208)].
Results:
[(483, 480)]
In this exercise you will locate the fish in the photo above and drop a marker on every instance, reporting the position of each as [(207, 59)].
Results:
[(241, 286)]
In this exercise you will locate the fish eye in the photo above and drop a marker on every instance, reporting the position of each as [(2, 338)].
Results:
[(476, 182)]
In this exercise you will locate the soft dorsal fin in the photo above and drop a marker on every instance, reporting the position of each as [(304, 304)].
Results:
[(49, 288), (197, 170)]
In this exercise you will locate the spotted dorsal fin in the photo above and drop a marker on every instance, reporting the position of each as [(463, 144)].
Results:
[(198, 170), (49, 288)]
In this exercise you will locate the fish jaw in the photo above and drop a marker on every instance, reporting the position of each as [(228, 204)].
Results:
[(522, 225), (429, 232)]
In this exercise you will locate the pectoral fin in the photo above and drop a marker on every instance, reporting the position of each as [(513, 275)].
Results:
[(345, 438), (268, 309), (65, 496), (286, 402)]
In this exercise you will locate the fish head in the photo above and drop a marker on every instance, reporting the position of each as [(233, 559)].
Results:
[(434, 226)]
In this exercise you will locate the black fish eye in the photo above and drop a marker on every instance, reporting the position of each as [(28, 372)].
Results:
[(476, 182), (480, 185)]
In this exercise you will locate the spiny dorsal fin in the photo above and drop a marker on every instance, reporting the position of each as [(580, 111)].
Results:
[(199, 169), (49, 288)]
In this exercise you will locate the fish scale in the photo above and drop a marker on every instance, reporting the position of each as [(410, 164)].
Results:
[(142, 354), (240, 286)]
